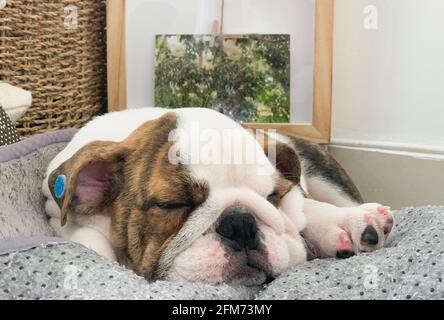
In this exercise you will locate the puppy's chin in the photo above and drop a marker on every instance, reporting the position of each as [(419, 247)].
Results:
[(208, 260)]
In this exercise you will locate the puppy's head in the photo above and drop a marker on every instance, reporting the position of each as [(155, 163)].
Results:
[(188, 202)]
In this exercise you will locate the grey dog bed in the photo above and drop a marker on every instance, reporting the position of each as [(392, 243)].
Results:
[(35, 265)]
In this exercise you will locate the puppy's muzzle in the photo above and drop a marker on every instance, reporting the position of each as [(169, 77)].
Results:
[(238, 229)]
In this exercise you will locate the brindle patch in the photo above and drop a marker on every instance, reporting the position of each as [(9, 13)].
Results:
[(156, 201), (148, 199)]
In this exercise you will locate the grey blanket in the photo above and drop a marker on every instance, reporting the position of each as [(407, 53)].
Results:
[(411, 267)]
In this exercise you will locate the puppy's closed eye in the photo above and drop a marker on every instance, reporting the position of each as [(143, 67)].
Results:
[(167, 206), (174, 206), (275, 197)]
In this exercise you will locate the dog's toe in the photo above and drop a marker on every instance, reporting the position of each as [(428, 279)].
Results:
[(344, 254), (370, 226)]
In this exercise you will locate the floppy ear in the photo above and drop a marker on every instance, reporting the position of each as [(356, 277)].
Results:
[(288, 163), (282, 155), (90, 180)]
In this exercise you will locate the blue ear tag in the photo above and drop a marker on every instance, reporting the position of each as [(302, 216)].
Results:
[(59, 186)]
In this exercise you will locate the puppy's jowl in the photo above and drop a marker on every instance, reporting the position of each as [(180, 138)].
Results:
[(115, 190)]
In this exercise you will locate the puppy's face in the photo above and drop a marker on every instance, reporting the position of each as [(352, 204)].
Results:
[(179, 215)]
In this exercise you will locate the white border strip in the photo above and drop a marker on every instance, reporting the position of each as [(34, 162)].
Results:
[(389, 146)]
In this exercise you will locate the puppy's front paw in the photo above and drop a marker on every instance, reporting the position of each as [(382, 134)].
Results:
[(343, 232), (365, 228)]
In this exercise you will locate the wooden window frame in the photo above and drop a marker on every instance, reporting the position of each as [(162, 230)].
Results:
[(318, 131)]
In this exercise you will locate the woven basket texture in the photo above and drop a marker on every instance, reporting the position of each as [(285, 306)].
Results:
[(57, 50)]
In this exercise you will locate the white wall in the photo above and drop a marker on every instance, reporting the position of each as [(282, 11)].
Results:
[(388, 84)]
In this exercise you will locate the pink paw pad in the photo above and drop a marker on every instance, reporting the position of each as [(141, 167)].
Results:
[(344, 243), (368, 218)]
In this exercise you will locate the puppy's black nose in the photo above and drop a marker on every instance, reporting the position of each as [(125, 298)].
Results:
[(239, 231)]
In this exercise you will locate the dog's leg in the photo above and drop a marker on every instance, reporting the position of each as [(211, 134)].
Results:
[(345, 231), (320, 189), (323, 178)]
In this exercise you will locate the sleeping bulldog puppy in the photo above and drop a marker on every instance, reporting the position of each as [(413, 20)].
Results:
[(190, 195)]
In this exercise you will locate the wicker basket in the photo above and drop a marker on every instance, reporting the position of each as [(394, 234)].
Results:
[(64, 66)]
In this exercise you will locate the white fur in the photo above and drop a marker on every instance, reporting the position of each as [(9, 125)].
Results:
[(293, 205)]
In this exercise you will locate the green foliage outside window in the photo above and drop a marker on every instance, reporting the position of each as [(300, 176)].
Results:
[(247, 78)]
